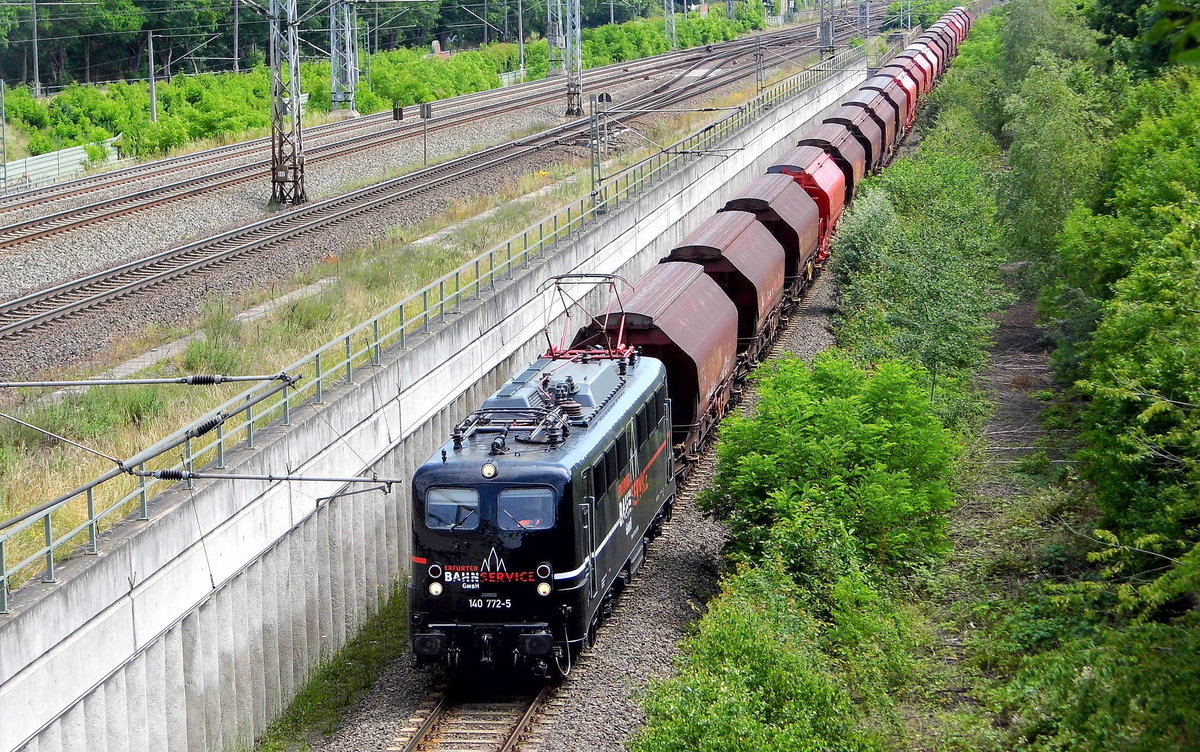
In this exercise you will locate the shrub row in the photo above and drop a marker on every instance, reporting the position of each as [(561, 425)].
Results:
[(228, 105)]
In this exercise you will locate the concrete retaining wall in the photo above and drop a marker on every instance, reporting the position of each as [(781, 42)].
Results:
[(193, 630)]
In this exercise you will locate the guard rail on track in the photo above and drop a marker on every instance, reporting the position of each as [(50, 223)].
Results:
[(32, 536)]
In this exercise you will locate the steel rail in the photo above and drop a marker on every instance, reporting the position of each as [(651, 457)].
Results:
[(614, 73), (43, 307), (68, 219), (24, 314), (74, 218), (506, 741)]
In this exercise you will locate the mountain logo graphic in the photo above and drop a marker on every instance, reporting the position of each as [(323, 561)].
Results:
[(493, 563)]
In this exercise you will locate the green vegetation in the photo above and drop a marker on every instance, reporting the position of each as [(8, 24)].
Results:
[(1064, 616), (338, 683), (228, 105), (923, 14), (805, 644), (837, 489)]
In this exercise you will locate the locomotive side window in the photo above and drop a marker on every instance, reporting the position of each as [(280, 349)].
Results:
[(643, 423), (623, 448), (660, 404), (526, 509), (452, 509), (610, 464), (600, 478)]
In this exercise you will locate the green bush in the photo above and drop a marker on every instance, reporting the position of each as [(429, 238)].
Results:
[(754, 679), (917, 260), (228, 104), (836, 446)]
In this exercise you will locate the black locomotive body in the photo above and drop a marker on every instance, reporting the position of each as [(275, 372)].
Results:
[(538, 510)]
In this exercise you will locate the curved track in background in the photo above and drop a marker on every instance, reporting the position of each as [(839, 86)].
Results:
[(26, 314), (341, 138)]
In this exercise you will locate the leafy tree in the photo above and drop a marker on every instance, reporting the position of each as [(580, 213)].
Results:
[(1057, 153), (1175, 23), (1048, 29)]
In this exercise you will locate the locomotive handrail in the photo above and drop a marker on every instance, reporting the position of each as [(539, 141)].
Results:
[(37, 542)]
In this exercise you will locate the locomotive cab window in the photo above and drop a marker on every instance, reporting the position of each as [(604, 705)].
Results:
[(525, 509), (611, 468), (452, 509)]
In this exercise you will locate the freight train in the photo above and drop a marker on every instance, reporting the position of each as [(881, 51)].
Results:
[(539, 508)]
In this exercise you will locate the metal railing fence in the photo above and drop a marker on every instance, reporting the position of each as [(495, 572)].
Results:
[(31, 172), (36, 541)]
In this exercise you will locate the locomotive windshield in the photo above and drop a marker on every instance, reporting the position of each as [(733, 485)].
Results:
[(525, 509), (514, 509), (452, 508)]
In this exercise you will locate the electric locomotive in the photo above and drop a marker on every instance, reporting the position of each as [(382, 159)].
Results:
[(539, 509)]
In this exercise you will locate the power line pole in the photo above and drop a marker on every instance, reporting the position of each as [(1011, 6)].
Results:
[(729, 9), (864, 18), (669, 23), (287, 138), (521, 35), (150, 75), (610, 13), (237, 46), (37, 76), (3, 140), (574, 60), (485, 21), (758, 65), (343, 52), (554, 36), (825, 27), (906, 13)]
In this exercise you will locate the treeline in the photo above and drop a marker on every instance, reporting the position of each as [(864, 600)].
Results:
[(101, 40), (228, 105), (1102, 199), (837, 489)]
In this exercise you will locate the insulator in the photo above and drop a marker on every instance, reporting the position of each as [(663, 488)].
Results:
[(571, 408), (206, 426), (172, 474), (204, 379)]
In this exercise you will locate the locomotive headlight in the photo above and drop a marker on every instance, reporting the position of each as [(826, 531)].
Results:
[(435, 588), (488, 470), (435, 571), (544, 588)]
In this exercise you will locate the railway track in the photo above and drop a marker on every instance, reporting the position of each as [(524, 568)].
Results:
[(455, 724), (26, 314), (136, 173), (340, 140)]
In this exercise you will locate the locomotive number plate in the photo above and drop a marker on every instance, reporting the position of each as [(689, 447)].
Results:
[(489, 602)]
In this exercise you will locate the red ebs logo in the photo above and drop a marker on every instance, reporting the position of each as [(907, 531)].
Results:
[(507, 577), (494, 570)]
